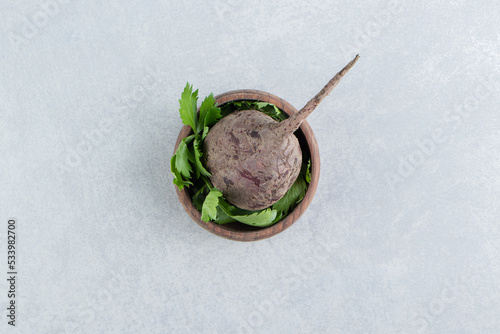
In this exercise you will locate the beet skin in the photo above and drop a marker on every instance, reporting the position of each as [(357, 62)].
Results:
[(251, 161)]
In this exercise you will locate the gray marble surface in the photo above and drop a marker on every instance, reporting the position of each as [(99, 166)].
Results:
[(403, 235)]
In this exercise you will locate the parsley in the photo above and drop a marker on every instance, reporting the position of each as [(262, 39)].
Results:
[(188, 155), (293, 196), (209, 112), (209, 207), (187, 109), (200, 170), (260, 218), (188, 170), (183, 157), (178, 179), (308, 172), (265, 107)]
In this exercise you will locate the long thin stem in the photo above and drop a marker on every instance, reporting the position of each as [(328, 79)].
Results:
[(293, 122)]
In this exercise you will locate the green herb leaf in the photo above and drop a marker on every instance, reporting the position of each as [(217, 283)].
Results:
[(187, 108), (261, 218), (209, 113), (199, 197), (222, 217), (189, 138), (293, 196), (178, 180), (264, 107), (213, 115), (197, 159), (205, 132), (206, 105), (308, 172), (227, 108), (262, 104), (179, 163), (209, 207), (182, 158)]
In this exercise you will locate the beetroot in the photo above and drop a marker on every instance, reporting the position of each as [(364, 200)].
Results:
[(254, 159)]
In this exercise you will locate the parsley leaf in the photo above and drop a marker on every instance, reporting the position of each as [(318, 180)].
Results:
[(212, 116), (293, 196), (261, 218), (209, 207), (207, 104), (209, 113), (187, 108), (182, 158), (199, 197), (205, 132), (308, 172), (222, 217), (264, 107), (178, 180), (179, 163), (197, 159)]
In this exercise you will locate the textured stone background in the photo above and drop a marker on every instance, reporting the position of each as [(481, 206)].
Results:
[(403, 233)]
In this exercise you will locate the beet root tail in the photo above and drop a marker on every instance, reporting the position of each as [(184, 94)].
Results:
[(291, 124)]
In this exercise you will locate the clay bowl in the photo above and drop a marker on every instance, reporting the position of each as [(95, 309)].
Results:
[(309, 146)]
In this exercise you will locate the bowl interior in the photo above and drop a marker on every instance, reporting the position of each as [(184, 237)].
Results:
[(309, 146)]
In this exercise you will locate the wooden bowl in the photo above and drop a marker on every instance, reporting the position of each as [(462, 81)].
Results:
[(309, 146)]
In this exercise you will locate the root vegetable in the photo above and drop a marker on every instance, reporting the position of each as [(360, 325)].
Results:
[(254, 159)]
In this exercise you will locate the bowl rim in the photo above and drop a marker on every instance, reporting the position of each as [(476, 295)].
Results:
[(294, 215)]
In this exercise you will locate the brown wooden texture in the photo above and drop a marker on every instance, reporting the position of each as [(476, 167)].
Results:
[(242, 232)]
